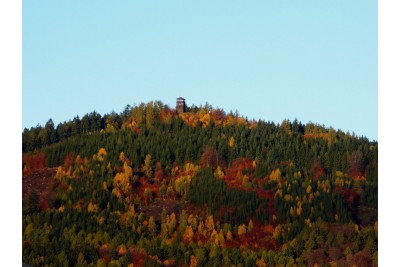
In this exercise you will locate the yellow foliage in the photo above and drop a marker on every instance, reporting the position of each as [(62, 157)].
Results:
[(277, 232), (229, 236), (339, 174), (221, 238), (59, 173), (275, 175), (105, 186), (261, 263), (101, 154), (92, 207), (182, 184), (250, 226), (116, 192), (287, 197), (210, 223), (231, 141), (219, 173), (174, 171), (190, 168), (122, 157), (309, 189), (127, 170), (205, 120), (241, 230), (61, 208)]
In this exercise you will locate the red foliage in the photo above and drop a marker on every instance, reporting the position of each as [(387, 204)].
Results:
[(356, 164), (136, 130), (218, 115), (362, 258), (238, 166), (307, 136), (145, 184), (259, 237), (159, 174), (139, 256), (351, 197), (226, 210), (69, 160), (105, 253), (33, 162), (317, 170)]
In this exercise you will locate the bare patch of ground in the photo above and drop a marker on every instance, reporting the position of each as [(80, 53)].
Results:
[(155, 209), (38, 182)]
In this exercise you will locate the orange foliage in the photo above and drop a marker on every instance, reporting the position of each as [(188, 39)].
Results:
[(193, 261), (122, 250), (188, 235), (218, 116)]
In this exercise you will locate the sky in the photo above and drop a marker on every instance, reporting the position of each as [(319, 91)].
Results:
[(273, 60)]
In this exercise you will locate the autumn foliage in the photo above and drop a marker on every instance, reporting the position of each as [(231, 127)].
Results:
[(150, 187)]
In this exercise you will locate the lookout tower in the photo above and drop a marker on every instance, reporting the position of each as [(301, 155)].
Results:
[(180, 105)]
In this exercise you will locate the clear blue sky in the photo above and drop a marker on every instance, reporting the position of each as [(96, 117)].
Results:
[(311, 60)]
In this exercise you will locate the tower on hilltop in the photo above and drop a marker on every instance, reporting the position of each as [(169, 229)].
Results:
[(180, 105)]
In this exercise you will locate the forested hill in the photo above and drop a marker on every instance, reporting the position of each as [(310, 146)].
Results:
[(148, 186)]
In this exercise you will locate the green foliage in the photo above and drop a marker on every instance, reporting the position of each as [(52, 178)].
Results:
[(306, 183)]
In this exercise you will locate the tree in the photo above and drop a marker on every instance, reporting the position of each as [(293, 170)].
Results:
[(188, 235), (210, 223), (81, 260), (152, 226), (149, 115), (193, 261), (209, 158), (148, 194), (241, 230), (250, 226), (229, 236), (275, 175), (172, 223), (147, 166)]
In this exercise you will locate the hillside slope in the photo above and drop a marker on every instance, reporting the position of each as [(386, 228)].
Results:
[(152, 187)]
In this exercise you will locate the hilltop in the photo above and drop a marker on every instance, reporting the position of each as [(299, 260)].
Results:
[(197, 186)]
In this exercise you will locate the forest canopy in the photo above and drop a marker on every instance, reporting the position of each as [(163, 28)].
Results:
[(151, 187)]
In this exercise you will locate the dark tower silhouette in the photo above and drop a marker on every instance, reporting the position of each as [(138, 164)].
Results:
[(180, 105)]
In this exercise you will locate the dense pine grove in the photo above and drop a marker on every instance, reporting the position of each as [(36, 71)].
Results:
[(150, 187)]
